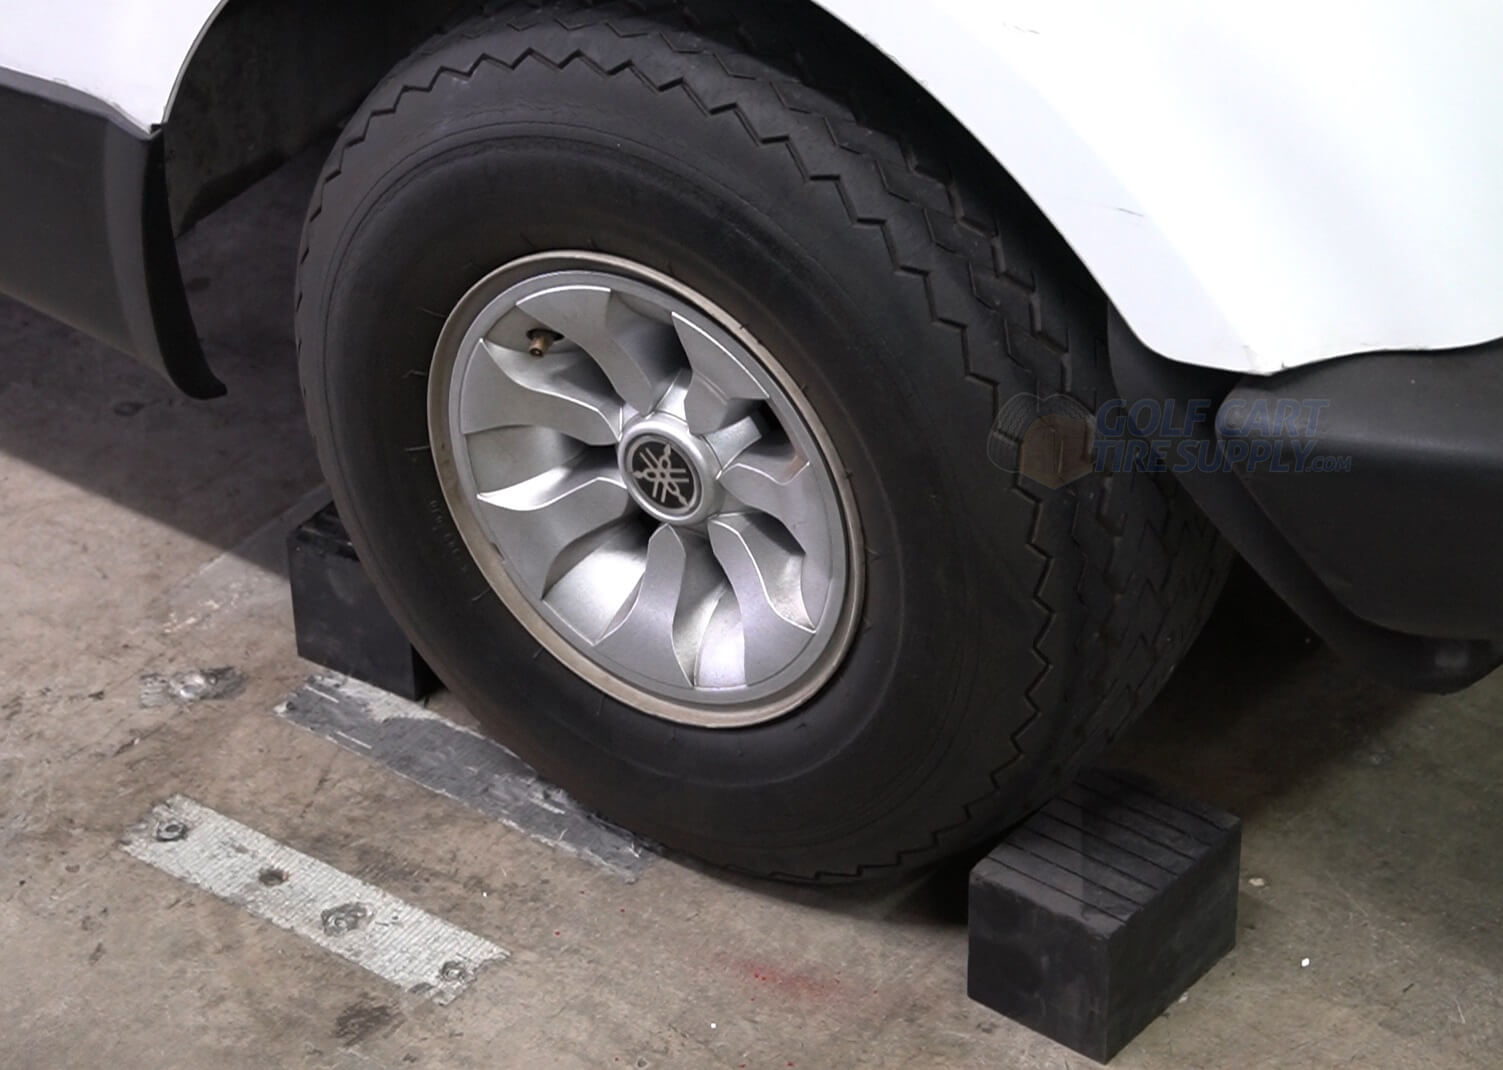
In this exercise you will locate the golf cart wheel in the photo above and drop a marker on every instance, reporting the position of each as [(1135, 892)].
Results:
[(656, 382)]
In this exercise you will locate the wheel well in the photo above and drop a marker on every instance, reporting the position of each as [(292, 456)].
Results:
[(268, 78)]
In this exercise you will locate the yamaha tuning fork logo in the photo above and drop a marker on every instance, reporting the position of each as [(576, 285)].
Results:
[(663, 475)]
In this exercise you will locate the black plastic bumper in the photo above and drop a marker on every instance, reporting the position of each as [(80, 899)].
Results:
[(1404, 521), (1367, 491), (85, 230)]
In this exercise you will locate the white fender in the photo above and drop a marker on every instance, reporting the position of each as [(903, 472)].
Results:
[(1255, 186)]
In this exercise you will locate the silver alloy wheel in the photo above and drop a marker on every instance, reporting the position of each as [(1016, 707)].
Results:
[(645, 488)]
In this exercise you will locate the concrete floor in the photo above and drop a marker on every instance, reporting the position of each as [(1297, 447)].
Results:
[(143, 533)]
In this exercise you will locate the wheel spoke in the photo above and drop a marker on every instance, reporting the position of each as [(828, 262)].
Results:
[(779, 482), (722, 646), (550, 518), (657, 631), (732, 440), (589, 595), (565, 392), (766, 578), (722, 388), (637, 354)]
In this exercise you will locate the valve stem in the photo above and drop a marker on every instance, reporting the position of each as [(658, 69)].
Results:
[(542, 340)]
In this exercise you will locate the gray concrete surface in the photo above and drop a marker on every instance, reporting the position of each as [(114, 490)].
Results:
[(142, 533)]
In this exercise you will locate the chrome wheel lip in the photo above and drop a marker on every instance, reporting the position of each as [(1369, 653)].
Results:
[(773, 697)]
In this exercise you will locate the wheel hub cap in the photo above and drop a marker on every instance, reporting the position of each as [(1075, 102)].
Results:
[(645, 488), (670, 473)]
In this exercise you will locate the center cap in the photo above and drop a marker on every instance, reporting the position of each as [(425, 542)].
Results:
[(663, 475), (669, 472)]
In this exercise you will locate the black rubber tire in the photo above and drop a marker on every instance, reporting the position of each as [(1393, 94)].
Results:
[(1008, 631)]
